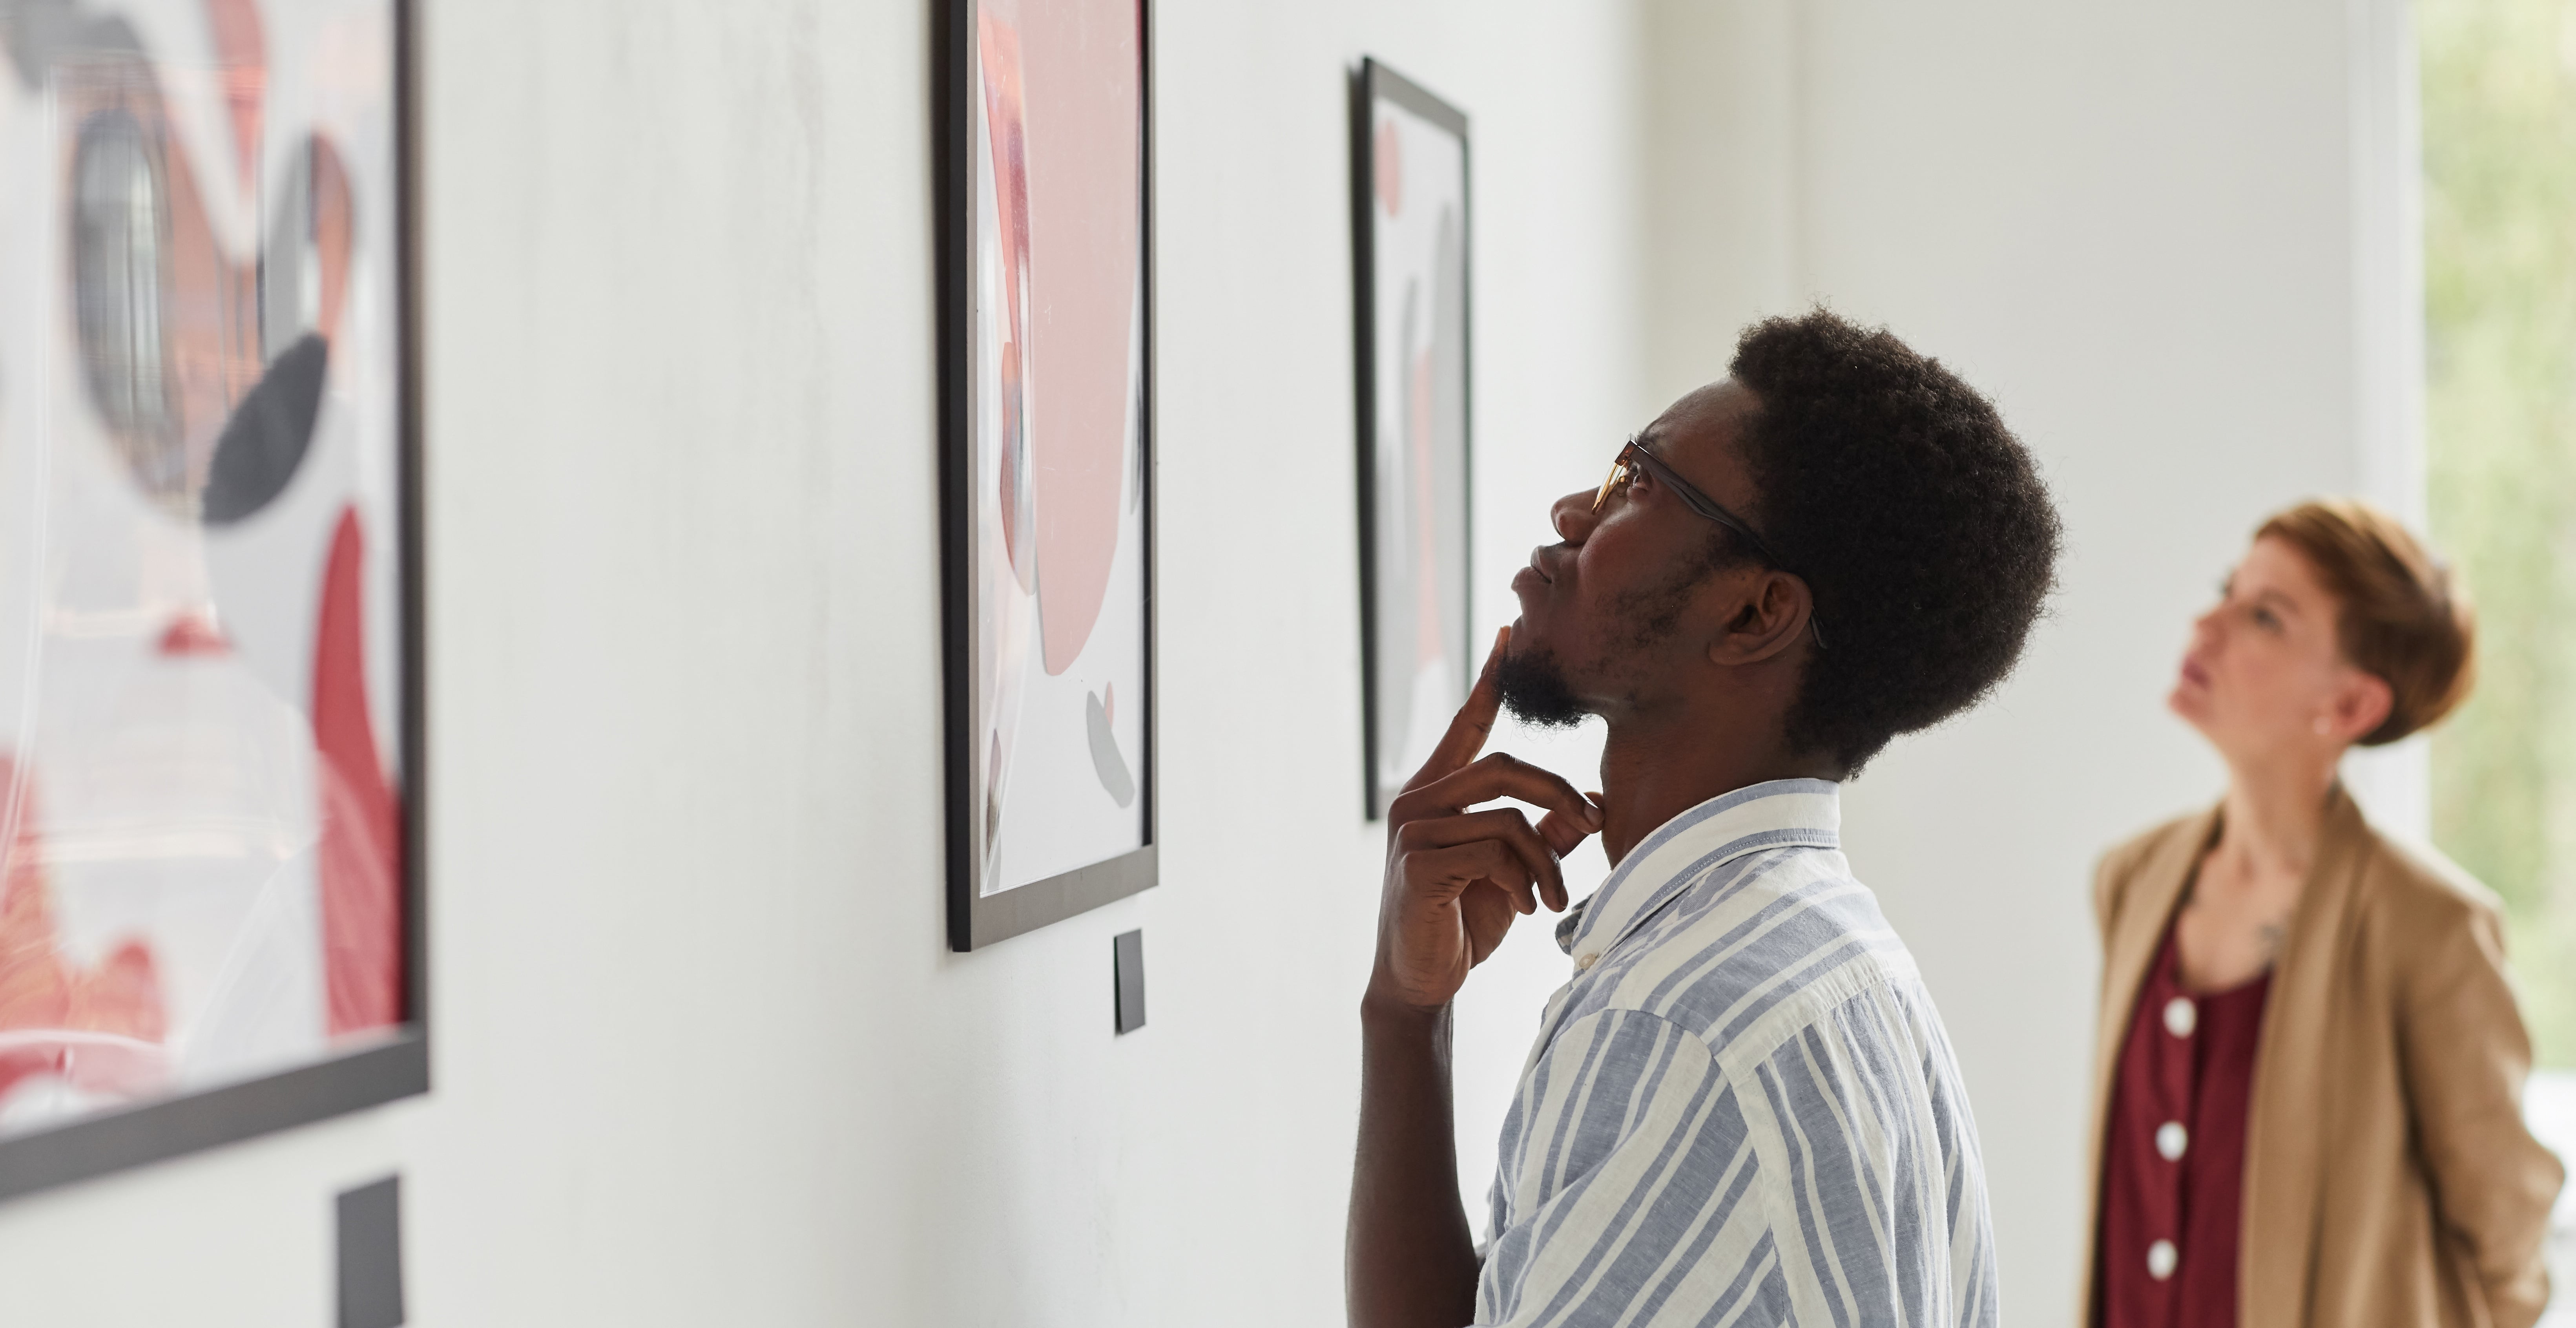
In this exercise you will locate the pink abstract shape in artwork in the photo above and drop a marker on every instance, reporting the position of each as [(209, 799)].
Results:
[(100, 1027), (241, 49), (1080, 76), (999, 43), (334, 223), (360, 858), (1388, 156)]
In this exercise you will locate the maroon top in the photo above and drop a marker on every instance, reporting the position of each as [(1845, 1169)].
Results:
[(2173, 1158)]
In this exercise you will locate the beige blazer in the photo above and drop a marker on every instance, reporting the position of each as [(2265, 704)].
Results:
[(2388, 1176)]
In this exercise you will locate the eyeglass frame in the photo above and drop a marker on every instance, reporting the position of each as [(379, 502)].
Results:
[(1702, 504)]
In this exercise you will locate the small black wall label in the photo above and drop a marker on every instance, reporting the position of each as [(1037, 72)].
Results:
[(370, 1223), (1129, 963)]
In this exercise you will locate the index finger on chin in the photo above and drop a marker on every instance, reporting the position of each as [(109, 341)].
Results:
[(1472, 724)]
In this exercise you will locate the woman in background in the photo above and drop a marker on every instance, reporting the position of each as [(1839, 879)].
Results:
[(2308, 1083)]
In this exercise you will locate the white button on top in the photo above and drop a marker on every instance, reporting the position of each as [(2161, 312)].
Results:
[(2161, 1258), (2172, 1139), (2181, 1016), (1585, 962)]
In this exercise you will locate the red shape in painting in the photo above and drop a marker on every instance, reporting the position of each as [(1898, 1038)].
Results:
[(193, 634), (100, 1027), (361, 832)]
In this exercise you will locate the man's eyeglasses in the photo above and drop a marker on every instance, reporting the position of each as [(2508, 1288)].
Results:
[(1634, 457)]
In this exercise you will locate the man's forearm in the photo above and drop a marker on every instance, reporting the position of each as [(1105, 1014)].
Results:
[(1411, 1262)]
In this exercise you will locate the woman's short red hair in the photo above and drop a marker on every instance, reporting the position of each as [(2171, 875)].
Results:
[(2404, 618)]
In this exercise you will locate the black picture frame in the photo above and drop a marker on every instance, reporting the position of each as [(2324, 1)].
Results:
[(1371, 84), (397, 1065), (976, 920)]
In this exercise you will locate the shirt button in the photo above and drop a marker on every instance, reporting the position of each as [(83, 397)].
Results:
[(2181, 1016), (1584, 963), (2161, 1259), (2171, 1140)]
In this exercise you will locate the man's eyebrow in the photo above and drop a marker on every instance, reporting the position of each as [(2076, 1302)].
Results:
[(1646, 437)]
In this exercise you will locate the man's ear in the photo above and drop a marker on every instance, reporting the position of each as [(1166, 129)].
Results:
[(1769, 618)]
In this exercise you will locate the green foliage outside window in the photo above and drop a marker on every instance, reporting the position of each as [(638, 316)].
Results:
[(2499, 108)]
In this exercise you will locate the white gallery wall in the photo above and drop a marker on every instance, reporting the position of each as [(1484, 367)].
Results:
[(701, 1055)]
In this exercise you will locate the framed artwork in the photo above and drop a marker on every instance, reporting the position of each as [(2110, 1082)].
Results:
[(1409, 191), (210, 708), (1046, 458)]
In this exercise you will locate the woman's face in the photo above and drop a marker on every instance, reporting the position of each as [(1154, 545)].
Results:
[(2265, 676)]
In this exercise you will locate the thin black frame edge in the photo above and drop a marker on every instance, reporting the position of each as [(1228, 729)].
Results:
[(1364, 403), (975, 920), (1025, 908), (1370, 81), (1395, 87), (159, 1131), (1149, 426), (953, 243), (399, 1067), (411, 447)]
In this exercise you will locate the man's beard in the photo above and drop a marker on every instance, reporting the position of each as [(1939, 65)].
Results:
[(1535, 690), (1534, 685)]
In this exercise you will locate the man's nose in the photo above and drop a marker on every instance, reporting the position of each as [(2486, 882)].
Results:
[(1572, 516)]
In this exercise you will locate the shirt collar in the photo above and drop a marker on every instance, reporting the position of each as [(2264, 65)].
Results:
[(1783, 813)]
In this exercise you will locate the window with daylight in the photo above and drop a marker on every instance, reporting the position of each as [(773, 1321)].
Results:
[(2499, 126)]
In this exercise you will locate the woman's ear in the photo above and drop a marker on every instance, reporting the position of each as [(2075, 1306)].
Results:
[(2361, 705)]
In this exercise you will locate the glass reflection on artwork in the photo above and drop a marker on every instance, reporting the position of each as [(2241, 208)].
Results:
[(1057, 366), (200, 876), (1420, 658)]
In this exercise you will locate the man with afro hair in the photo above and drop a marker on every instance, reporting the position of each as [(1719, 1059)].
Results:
[(1742, 1106)]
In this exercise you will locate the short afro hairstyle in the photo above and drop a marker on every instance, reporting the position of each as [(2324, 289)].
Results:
[(1918, 521)]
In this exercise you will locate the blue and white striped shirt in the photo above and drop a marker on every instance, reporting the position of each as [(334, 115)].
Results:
[(1743, 1108)]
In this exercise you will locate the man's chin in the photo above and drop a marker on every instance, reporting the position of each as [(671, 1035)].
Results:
[(1535, 690)]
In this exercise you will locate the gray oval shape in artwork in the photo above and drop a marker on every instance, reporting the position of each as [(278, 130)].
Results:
[(1105, 760), (120, 285), (272, 426), (264, 442)]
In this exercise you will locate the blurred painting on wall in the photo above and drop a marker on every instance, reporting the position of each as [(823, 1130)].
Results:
[(1046, 460), (205, 696), (1410, 187)]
